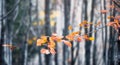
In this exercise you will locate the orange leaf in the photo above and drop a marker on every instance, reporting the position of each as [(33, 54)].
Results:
[(86, 37), (67, 43), (79, 39), (110, 23), (80, 24), (70, 37), (109, 17)]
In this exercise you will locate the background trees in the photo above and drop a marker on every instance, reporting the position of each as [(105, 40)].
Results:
[(23, 22)]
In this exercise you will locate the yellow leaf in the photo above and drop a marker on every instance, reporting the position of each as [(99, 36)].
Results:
[(29, 41), (52, 23), (44, 38), (69, 27), (40, 42), (91, 38)]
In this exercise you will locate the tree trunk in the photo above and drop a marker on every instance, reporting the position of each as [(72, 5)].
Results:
[(66, 24), (2, 30), (47, 26)]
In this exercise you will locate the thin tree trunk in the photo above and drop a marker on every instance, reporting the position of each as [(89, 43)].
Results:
[(47, 27), (37, 18), (91, 28), (87, 43), (111, 40), (9, 29), (27, 34), (2, 29), (66, 24)]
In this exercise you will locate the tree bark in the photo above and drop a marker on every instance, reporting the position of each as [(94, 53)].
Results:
[(47, 27), (66, 24)]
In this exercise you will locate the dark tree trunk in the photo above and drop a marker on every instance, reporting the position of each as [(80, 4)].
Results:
[(2, 62), (66, 24), (47, 27), (111, 40), (87, 43)]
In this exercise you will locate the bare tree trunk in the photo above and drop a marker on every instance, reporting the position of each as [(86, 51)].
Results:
[(66, 24), (111, 40), (26, 34), (47, 26), (2, 30), (9, 28), (39, 34), (87, 43)]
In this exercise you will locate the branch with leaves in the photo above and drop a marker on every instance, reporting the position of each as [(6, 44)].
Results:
[(48, 42)]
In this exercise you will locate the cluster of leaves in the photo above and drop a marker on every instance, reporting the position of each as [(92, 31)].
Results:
[(49, 41), (115, 23)]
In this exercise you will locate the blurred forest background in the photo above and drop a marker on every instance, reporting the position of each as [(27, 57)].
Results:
[(22, 22)]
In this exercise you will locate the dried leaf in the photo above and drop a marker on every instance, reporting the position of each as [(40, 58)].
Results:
[(110, 23), (86, 37), (79, 39), (68, 43), (70, 37)]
